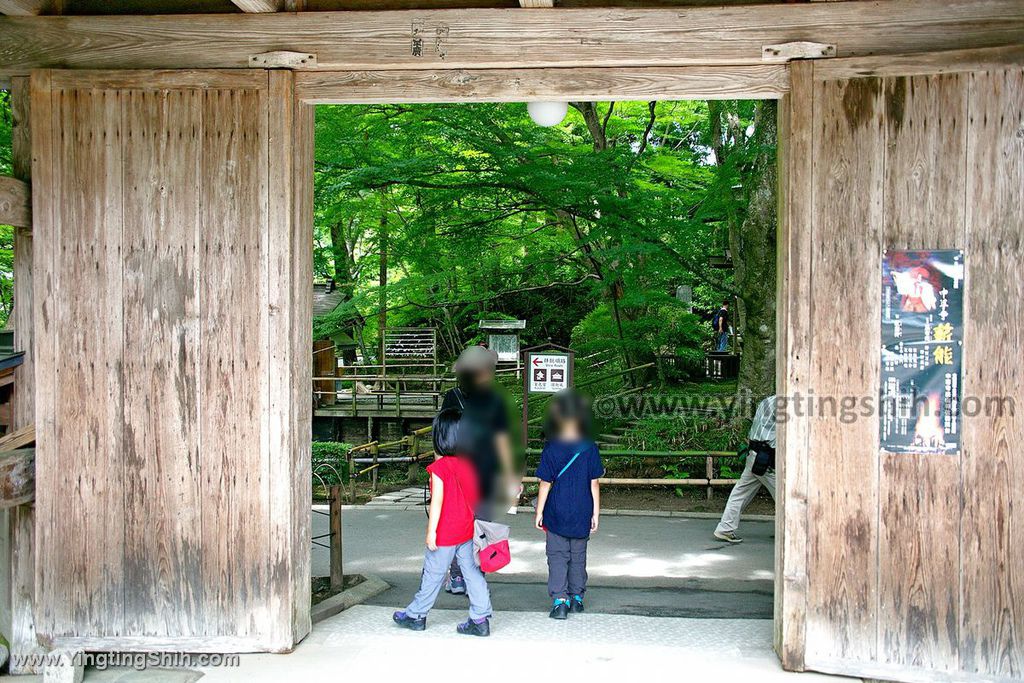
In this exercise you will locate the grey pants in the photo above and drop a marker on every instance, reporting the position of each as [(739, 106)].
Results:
[(742, 493), (567, 566), (435, 566)]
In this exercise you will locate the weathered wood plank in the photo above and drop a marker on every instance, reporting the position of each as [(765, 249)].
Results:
[(848, 151), (501, 38), (24, 8), (793, 374), (301, 337), (992, 530), (233, 368), (19, 438), (161, 79), (259, 5), (919, 496), (79, 452), (15, 202), (162, 543), (925, 63), (368, 87), (17, 477)]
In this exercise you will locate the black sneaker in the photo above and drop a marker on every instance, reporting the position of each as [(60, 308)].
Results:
[(577, 603), (475, 628), (411, 623), (560, 610)]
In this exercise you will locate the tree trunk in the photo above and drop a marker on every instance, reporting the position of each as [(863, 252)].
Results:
[(753, 251)]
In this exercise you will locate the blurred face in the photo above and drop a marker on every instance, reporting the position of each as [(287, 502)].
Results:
[(483, 378)]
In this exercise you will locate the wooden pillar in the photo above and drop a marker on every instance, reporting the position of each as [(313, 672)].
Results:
[(19, 567), (337, 571)]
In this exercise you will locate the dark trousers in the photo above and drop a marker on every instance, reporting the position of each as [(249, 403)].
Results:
[(567, 565)]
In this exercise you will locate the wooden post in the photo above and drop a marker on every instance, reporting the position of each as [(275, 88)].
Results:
[(709, 471), (376, 453), (337, 572)]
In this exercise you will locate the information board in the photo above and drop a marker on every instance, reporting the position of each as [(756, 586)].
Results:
[(922, 348)]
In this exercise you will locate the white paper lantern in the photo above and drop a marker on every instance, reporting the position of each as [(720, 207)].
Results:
[(547, 113)]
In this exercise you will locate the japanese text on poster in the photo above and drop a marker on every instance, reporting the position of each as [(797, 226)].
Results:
[(922, 340)]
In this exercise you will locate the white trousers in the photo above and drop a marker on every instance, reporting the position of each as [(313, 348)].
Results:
[(742, 493)]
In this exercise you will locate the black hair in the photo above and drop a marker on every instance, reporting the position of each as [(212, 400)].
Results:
[(725, 302), (446, 431), (567, 406)]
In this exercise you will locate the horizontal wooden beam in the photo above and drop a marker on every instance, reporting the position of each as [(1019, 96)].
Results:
[(762, 81), (506, 38), (954, 61), (15, 203), (23, 8)]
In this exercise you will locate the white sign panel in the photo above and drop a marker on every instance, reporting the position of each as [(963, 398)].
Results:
[(549, 372)]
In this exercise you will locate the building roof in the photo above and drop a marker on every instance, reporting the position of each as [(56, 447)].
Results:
[(325, 299)]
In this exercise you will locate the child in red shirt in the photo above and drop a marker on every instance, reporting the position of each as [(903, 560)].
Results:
[(454, 494)]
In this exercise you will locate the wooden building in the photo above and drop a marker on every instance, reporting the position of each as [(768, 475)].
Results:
[(168, 149)]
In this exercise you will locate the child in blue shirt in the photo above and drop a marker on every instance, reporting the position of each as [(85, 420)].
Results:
[(569, 504)]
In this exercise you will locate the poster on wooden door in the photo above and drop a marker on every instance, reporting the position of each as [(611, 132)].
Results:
[(922, 350)]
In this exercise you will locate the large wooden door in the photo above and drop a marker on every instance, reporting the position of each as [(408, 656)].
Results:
[(172, 359), (901, 567)]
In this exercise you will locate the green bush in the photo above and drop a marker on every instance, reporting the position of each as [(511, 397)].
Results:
[(330, 464)]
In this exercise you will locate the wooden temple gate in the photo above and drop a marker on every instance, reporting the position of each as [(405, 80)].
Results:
[(172, 505)]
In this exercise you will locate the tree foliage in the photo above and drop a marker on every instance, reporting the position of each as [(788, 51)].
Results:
[(585, 229)]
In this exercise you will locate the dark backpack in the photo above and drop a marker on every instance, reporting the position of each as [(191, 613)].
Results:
[(714, 321)]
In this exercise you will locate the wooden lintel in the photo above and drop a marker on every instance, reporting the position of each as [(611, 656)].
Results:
[(797, 49), (505, 38), (15, 202), (259, 5), (23, 8), (762, 81), (283, 59)]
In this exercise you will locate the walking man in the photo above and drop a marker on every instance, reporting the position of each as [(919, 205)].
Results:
[(759, 470)]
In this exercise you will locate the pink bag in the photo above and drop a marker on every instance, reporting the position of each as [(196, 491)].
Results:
[(491, 545), (495, 556)]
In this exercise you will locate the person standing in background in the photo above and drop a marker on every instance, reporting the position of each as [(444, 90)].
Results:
[(720, 324)]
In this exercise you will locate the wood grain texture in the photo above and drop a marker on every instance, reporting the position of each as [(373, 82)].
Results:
[(24, 8), (919, 497), (197, 389), (259, 5), (793, 374), (76, 570), (992, 530), (17, 477), (842, 537), (233, 391), (15, 202), (521, 85), (300, 327), (162, 543), (501, 38), (923, 63)]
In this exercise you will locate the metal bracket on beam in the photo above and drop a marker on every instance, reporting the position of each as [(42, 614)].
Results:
[(283, 59), (798, 49)]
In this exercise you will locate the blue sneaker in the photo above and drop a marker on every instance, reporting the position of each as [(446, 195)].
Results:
[(560, 609), (577, 603), (411, 623), (456, 586)]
